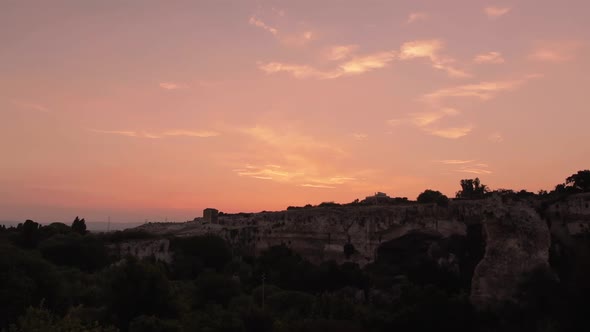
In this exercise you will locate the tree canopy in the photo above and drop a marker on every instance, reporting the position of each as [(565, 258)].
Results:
[(472, 189)]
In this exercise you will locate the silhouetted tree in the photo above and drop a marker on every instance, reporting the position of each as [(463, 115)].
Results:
[(84, 252), (137, 288), (349, 250), (79, 226), (30, 233), (472, 189), (433, 196), (579, 181)]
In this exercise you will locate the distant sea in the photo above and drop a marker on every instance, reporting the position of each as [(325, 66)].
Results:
[(93, 226)]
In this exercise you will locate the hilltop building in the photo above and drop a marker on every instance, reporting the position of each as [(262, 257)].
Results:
[(210, 215)]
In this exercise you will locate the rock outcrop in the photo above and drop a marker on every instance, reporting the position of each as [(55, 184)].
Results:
[(517, 243), (517, 234)]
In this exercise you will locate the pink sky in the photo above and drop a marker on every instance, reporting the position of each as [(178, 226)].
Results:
[(152, 109)]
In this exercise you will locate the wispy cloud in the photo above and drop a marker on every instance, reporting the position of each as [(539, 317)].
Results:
[(455, 161), (496, 137), (339, 52), (366, 63), (297, 71), (495, 12), (451, 133), (467, 166), (424, 119), (190, 133), (30, 106), (259, 23), (474, 170), (288, 140), (288, 156), (490, 57), (555, 51), (321, 186), (355, 66), (431, 49), (482, 90), (417, 16), (427, 122), (116, 132), (266, 173), (172, 86), (144, 134), (292, 176), (279, 11), (360, 136), (293, 39)]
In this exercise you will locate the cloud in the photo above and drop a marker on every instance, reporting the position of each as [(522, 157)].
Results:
[(428, 118), (288, 140), (258, 23), (478, 171), (190, 133), (172, 86), (322, 186), (143, 134), (482, 90), (417, 16), (362, 64), (31, 106), (116, 132), (355, 66), (266, 173), (339, 52), (430, 49), (360, 137), (496, 137), (467, 166), (490, 57), (278, 11), (297, 71), (555, 51), (420, 49), (285, 155), (495, 12), (455, 161), (293, 176), (451, 133), (426, 121), (290, 39)]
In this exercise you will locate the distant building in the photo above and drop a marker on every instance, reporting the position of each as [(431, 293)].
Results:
[(210, 215), (378, 198)]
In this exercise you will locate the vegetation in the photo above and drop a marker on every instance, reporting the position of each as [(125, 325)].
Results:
[(472, 189), (63, 278), (433, 196)]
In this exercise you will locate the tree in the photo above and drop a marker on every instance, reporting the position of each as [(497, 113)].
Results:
[(433, 196), (30, 233), (579, 181), (84, 252), (472, 189), (25, 280), (349, 250), (137, 288), (79, 226)]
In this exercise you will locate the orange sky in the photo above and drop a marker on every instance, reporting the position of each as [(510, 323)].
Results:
[(152, 109)]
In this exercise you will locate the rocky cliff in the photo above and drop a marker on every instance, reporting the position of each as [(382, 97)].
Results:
[(516, 234)]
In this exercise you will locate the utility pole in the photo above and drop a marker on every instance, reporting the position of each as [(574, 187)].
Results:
[(109, 224), (263, 279)]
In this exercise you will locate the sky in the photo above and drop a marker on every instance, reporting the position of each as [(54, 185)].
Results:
[(155, 110)]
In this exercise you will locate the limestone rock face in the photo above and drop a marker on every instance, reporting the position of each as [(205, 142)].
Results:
[(159, 249), (517, 242)]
